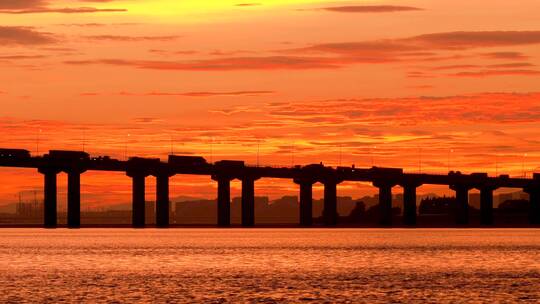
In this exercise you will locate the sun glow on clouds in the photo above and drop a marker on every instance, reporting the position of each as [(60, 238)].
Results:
[(365, 82), (195, 9)]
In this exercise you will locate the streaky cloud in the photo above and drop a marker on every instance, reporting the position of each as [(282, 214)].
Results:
[(131, 38), (202, 93), (66, 10), (223, 64), (487, 73), (506, 55), (462, 40), (22, 4), (23, 35), (247, 4), (371, 9)]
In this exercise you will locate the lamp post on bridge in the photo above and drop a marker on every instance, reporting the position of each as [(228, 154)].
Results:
[(523, 165), (258, 151), (126, 147), (449, 157), (371, 151), (84, 140), (37, 141), (340, 155), (496, 164), (419, 159), (293, 148)]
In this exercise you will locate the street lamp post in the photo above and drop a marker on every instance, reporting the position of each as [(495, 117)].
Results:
[(84, 140), (125, 146), (172, 145), (212, 151), (372, 155), (449, 154), (419, 160), (37, 142), (292, 152), (258, 151), (339, 161), (523, 165)]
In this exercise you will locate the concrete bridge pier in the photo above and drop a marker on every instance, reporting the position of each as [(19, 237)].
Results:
[(534, 199), (74, 198), (138, 199), (486, 205), (162, 200), (50, 204), (461, 209), (534, 206), (385, 203), (306, 201), (248, 201), (223, 200), (330, 215), (409, 203)]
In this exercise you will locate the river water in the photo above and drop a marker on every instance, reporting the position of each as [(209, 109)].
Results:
[(270, 265)]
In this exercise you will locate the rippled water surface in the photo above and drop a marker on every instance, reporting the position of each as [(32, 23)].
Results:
[(269, 265)]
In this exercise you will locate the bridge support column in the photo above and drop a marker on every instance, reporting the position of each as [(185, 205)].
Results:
[(409, 204), (223, 201), (461, 209), (534, 206), (306, 201), (385, 203), (162, 200), (306, 204), (50, 197), (138, 200), (248, 201), (330, 215), (534, 200), (486, 206), (74, 199)]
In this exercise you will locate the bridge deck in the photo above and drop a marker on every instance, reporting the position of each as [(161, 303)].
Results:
[(392, 176), (74, 163)]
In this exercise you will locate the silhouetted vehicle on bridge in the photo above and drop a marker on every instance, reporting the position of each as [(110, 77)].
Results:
[(68, 155), (16, 154)]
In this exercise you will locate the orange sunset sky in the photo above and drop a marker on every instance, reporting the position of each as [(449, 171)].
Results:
[(423, 85)]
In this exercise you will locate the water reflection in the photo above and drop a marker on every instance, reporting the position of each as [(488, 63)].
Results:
[(270, 265)]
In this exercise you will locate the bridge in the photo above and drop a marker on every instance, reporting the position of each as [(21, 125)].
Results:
[(75, 163)]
